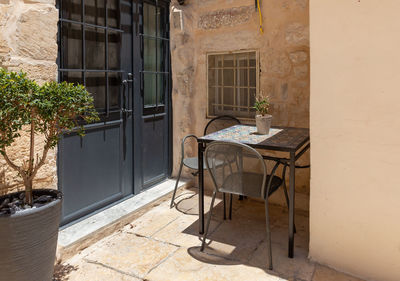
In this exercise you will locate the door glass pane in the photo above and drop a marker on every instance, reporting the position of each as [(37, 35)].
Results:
[(149, 89), (114, 50), (161, 87), (72, 9), (95, 48), (95, 12), (96, 85), (160, 55), (71, 45), (72, 77), (149, 54), (114, 86), (149, 19), (162, 30), (113, 13)]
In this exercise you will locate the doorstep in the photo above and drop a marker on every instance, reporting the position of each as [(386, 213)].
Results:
[(80, 235)]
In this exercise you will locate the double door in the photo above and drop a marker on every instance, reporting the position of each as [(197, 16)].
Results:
[(120, 51)]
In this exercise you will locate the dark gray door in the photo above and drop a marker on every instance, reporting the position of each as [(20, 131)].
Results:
[(101, 45), (155, 86), (96, 49)]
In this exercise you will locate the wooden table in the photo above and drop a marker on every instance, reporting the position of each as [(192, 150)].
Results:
[(294, 141)]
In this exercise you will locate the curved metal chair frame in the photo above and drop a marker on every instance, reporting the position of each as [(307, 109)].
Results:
[(192, 162), (222, 117), (265, 190)]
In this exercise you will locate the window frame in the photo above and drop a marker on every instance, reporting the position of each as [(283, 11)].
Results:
[(208, 54), (109, 112)]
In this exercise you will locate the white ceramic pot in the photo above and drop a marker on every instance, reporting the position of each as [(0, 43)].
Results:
[(263, 123)]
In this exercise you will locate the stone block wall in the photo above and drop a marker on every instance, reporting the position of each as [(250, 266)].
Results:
[(200, 27), (28, 42)]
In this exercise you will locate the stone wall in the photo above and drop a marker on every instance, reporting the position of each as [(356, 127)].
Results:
[(28, 42), (199, 27)]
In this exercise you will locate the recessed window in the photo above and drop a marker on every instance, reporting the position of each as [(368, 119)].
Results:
[(232, 84)]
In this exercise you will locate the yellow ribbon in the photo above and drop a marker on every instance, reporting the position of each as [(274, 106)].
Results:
[(259, 12)]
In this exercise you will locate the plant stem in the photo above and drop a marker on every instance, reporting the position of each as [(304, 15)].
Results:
[(29, 182), (28, 192)]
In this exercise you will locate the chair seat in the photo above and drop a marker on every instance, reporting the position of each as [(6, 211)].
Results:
[(193, 163), (251, 184)]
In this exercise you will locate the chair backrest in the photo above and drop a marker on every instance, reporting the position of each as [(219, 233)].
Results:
[(236, 168), (220, 122)]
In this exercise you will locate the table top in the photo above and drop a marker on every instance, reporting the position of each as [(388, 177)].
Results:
[(279, 139)]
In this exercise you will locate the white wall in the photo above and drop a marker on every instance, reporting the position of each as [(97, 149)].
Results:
[(355, 136)]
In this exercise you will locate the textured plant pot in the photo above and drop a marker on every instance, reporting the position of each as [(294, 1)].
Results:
[(263, 123), (28, 241)]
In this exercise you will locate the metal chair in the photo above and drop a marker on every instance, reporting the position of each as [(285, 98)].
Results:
[(192, 163), (246, 176)]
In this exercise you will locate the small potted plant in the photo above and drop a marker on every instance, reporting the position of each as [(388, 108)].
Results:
[(263, 119), (29, 219)]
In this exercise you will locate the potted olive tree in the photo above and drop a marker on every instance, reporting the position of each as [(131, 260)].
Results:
[(29, 219), (263, 119)]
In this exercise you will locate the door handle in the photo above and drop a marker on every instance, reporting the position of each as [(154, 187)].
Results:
[(129, 80), (125, 105)]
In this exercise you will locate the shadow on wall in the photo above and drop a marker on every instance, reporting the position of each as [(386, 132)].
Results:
[(5, 187)]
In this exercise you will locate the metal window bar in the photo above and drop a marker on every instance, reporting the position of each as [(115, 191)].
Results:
[(106, 61), (91, 25), (156, 15), (248, 84), (220, 87)]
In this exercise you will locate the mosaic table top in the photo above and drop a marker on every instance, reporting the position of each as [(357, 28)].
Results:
[(279, 138), (241, 133)]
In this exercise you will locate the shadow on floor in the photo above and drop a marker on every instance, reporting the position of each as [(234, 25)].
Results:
[(242, 240), (62, 271)]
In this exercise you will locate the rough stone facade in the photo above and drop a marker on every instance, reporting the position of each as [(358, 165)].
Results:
[(200, 27), (28, 30), (28, 42)]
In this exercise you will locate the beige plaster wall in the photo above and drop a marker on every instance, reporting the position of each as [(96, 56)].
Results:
[(28, 42), (220, 25), (355, 136)]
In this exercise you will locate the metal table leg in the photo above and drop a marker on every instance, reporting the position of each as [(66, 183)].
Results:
[(291, 202), (201, 187)]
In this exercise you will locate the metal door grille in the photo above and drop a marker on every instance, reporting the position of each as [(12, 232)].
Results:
[(154, 79), (89, 44)]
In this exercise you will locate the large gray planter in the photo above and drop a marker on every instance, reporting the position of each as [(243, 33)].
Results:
[(28, 242)]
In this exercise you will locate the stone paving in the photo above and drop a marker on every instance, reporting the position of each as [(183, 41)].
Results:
[(163, 244)]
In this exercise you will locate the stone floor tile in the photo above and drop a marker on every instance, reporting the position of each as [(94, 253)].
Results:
[(185, 265), (323, 273), (183, 231), (236, 239), (153, 220), (129, 253), (297, 268), (89, 272), (163, 244), (185, 200)]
